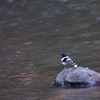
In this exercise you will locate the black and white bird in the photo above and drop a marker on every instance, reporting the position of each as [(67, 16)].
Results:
[(65, 60)]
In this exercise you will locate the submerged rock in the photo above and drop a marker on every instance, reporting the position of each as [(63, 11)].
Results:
[(77, 77)]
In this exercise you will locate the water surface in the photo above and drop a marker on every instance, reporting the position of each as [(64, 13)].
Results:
[(33, 33)]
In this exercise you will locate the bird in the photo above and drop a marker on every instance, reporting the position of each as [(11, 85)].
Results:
[(66, 60)]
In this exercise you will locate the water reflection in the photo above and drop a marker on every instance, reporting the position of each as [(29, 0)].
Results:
[(32, 35), (76, 94)]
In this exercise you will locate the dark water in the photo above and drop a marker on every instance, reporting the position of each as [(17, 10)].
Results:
[(33, 33)]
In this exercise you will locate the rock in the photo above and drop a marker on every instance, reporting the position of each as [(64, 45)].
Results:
[(77, 77)]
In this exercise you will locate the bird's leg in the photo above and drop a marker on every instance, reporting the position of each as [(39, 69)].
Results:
[(65, 67)]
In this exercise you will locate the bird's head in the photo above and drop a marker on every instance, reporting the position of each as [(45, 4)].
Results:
[(63, 55)]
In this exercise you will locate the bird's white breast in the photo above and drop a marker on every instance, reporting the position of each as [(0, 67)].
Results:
[(64, 63)]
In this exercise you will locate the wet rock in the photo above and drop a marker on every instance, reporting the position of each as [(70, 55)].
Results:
[(77, 77)]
